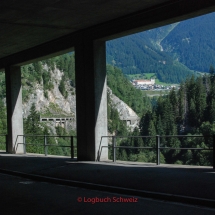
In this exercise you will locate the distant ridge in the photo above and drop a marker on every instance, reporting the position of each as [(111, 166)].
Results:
[(173, 52)]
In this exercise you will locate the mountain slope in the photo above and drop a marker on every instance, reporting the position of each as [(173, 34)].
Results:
[(192, 42), (173, 52), (141, 53)]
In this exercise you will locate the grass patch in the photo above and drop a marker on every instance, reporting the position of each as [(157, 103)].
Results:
[(149, 75), (162, 83)]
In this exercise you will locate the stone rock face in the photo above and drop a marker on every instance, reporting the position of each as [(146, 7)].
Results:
[(125, 112), (67, 107)]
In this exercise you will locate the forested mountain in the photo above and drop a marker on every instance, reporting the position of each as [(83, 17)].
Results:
[(192, 42), (138, 54), (123, 89), (172, 51), (188, 111)]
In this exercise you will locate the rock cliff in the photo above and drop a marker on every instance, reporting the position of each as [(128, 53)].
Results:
[(56, 105)]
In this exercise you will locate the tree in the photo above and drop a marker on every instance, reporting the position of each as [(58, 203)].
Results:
[(115, 125), (32, 124), (3, 124), (144, 123), (208, 129), (212, 111), (122, 88), (62, 88), (174, 103), (192, 113), (151, 141), (38, 71), (212, 73), (136, 141)]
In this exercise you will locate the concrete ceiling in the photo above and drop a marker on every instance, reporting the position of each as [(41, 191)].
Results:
[(26, 24)]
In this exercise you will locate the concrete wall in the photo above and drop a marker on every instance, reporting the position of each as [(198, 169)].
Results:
[(14, 109), (91, 99), (63, 122)]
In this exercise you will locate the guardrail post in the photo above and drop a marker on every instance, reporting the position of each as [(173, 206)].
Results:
[(45, 145), (24, 144), (158, 148), (114, 149), (213, 151), (72, 147)]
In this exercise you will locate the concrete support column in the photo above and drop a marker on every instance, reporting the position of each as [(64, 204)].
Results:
[(91, 99), (14, 109)]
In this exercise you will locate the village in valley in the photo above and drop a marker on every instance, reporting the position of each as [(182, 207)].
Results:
[(146, 84)]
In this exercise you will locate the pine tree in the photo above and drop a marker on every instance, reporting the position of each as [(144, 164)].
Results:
[(32, 125), (182, 104), (3, 124), (174, 102), (62, 88), (212, 73), (188, 157), (152, 132), (212, 111), (159, 126), (192, 114), (136, 141), (144, 123), (200, 101)]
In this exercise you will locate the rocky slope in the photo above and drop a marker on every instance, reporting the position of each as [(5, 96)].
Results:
[(57, 105), (125, 112)]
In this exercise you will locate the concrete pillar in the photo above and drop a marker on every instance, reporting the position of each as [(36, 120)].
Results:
[(14, 109), (91, 99)]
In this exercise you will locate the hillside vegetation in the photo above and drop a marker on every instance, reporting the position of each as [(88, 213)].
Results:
[(123, 89), (173, 52), (138, 53), (189, 111), (192, 42)]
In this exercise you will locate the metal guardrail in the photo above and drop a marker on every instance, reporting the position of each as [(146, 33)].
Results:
[(114, 147), (157, 148), (45, 145)]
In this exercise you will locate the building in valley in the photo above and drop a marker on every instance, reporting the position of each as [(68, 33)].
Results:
[(144, 82)]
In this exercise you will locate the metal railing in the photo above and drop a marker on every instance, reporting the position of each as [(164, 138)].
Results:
[(157, 148), (45, 145)]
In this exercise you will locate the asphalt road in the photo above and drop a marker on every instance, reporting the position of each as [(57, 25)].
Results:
[(20, 196)]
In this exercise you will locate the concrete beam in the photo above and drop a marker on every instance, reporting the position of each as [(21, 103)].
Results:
[(156, 16), (91, 99), (14, 109)]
